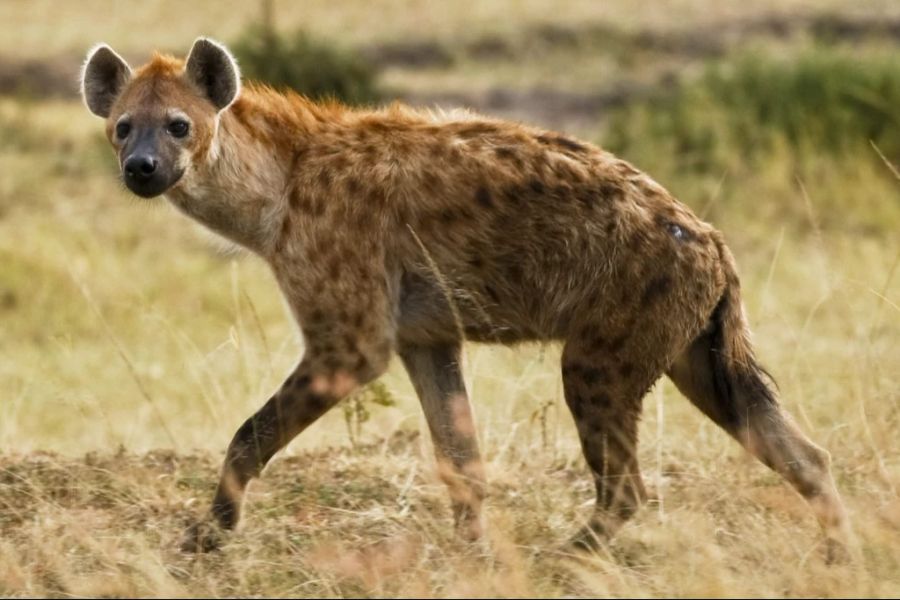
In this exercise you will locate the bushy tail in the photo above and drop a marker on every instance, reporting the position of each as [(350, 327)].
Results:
[(741, 384), (719, 374), (719, 371)]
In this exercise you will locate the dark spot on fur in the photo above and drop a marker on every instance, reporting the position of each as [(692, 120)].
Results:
[(353, 185), (477, 129), (656, 289), (560, 191), (585, 197), (513, 196), (286, 227), (562, 142), (571, 145), (483, 197), (610, 191), (536, 186), (324, 178), (593, 376), (360, 364), (492, 293), (448, 215), (476, 262), (626, 369), (617, 343), (507, 153), (317, 402)]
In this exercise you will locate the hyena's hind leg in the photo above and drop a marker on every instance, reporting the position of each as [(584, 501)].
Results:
[(604, 395), (743, 404), (435, 373)]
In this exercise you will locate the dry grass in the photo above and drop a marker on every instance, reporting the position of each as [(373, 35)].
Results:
[(131, 348), (123, 329)]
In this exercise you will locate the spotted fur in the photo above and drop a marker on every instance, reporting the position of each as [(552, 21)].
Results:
[(408, 231)]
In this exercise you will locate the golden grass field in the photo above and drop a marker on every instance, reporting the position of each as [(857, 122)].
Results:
[(133, 344)]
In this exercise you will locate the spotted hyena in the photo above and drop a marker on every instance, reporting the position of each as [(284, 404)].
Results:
[(405, 231)]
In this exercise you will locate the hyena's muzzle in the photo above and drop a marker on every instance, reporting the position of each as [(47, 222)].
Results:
[(149, 168)]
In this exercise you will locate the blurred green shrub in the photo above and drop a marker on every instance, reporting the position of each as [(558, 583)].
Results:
[(312, 67), (820, 102), (759, 138)]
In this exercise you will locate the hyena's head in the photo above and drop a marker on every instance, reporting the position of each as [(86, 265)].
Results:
[(161, 118)]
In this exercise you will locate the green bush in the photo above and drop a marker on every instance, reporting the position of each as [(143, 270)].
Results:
[(758, 138), (824, 101), (311, 67)]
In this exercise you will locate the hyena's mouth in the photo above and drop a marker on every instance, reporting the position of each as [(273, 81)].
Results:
[(150, 185)]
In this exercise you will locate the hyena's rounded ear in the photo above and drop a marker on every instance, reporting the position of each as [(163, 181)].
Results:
[(212, 68), (104, 75)]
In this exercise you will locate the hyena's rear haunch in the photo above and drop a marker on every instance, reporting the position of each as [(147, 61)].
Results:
[(405, 231)]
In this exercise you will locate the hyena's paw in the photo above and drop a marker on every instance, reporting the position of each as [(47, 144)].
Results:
[(202, 536), (468, 524), (586, 540), (592, 537), (842, 551)]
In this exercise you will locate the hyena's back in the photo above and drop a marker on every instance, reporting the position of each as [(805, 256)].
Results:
[(530, 235)]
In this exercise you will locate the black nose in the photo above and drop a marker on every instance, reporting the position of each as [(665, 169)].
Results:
[(140, 167)]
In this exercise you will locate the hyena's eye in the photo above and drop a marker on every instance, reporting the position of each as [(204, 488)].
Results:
[(178, 128), (122, 130)]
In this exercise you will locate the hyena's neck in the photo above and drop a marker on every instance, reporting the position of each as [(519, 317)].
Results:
[(239, 188)]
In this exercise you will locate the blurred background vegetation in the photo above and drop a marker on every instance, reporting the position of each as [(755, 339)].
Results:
[(123, 325)]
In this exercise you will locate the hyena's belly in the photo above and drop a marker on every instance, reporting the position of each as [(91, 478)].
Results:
[(486, 308), (435, 310)]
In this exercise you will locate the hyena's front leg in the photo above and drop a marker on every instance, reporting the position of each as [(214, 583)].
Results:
[(338, 359), (291, 410), (436, 375)]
